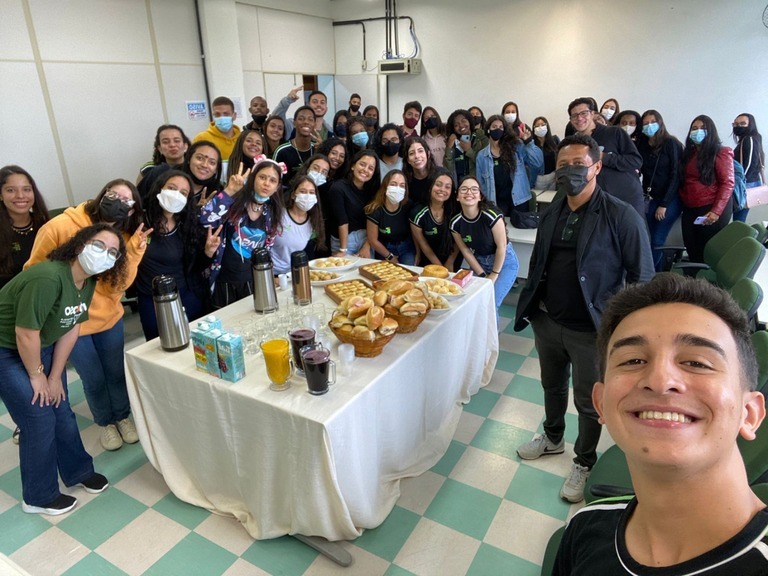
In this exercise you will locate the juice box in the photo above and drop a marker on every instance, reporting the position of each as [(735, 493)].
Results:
[(213, 321), (204, 346), (230, 356)]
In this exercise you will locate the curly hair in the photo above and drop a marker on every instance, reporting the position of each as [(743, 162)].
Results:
[(69, 251), (129, 224), (325, 149), (157, 156)]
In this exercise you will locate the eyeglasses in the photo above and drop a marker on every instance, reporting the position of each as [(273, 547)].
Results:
[(469, 190), (582, 114), (570, 227), (99, 247), (112, 195), (744, 124)]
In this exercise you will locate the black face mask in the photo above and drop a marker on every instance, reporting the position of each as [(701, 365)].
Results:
[(740, 131), (391, 148), (431, 123), (113, 210), (477, 121), (496, 133), (354, 107), (259, 118), (340, 130), (370, 121), (571, 179)]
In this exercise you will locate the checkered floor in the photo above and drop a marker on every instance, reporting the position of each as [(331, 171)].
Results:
[(480, 510)]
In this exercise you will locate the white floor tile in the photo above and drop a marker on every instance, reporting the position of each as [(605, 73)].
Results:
[(436, 550), (499, 381), (485, 471), (53, 552), (243, 568), (521, 531), (416, 494), (468, 426), (6, 503), (519, 413), (9, 456), (225, 531), (530, 368), (145, 485), (363, 564), (514, 343)]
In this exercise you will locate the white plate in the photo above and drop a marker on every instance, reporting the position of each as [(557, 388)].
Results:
[(352, 263), (428, 281), (339, 278), (434, 310)]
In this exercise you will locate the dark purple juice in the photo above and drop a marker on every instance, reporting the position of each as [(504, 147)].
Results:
[(300, 337), (316, 366)]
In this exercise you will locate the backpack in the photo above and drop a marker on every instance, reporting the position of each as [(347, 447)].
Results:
[(739, 187)]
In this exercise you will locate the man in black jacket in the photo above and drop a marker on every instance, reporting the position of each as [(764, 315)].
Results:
[(588, 245)]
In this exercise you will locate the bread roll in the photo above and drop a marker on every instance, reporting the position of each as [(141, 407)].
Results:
[(363, 333), (398, 301), (340, 320), (414, 295), (413, 308), (359, 309), (380, 298), (346, 329), (436, 271), (388, 326), (374, 317)]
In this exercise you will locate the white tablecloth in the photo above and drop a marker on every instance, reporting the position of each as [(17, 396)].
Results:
[(291, 463)]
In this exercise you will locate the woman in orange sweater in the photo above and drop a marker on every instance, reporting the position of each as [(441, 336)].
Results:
[(98, 353)]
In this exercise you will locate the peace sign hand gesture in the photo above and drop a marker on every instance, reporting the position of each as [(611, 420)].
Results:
[(212, 240), (142, 235), (204, 199), (237, 181)]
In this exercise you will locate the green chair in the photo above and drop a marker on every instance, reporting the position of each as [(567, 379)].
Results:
[(741, 261), (716, 247), (748, 295), (762, 232)]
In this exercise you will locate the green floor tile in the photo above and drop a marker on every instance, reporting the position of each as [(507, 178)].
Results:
[(18, 528), (538, 490), (571, 427), (185, 514), (482, 403), (284, 556), (193, 555), (93, 565), (3, 408), (527, 331), (386, 540), (507, 311), (120, 463), (395, 570), (5, 433), (524, 388), (100, 519), (463, 508), (83, 422), (449, 459), (76, 394), (491, 561), (10, 483), (500, 438), (509, 361)]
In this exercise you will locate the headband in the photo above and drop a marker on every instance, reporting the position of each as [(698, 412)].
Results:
[(263, 158)]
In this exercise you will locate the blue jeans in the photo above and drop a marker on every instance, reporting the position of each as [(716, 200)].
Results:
[(506, 279), (355, 241), (405, 252), (50, 442), (98, 359), (659, 230), (193, 306)]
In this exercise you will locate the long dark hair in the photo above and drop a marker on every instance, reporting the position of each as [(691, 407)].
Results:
[(69, 251), (449, 124), (370, 187), (274, 214), (325, 149), (157, 157), (269, 150), (378, 115), (351, 146), (508, 143), (238, 157), (483, 204), (707, 150), (549, 145), (127, 225), (661, 135), (214, 182), (754, 134), (517, 122), (407, 168), (440, 125), (450, 209), (39, 215), (315, 214)]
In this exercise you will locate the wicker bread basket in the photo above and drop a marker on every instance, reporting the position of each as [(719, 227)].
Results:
[(363, 348)]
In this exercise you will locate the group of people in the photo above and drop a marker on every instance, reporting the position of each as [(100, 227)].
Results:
[(438, 196)]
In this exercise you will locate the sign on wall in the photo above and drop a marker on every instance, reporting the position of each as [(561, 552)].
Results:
[(197, 110)]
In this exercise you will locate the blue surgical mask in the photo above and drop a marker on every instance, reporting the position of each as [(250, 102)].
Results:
[(360, 139), (317, 177), (223, 123), (650, 129), (697, 136), (260, 199)]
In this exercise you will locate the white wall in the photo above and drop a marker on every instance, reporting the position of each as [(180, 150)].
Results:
[(682, 57)]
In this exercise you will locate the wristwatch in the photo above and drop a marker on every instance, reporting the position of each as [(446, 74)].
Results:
[(38, 370), (390, 256)]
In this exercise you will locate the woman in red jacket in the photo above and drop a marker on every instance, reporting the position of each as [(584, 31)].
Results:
[(707, 186)]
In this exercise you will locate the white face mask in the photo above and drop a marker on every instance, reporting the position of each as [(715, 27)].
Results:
[(540, 131), (317, 177), (172, 200), (395, 194), (306, 201), (93, 261), (607, 113), (629, 129), (510, 117)]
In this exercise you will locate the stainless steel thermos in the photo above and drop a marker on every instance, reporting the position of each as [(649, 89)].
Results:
[(172, 323), (264, 293), (302, 287)]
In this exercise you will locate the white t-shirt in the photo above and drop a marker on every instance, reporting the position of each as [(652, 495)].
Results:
[(294, 237)]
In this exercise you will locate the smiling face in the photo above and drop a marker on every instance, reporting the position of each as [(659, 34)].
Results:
[(204, 162), (337, 155), (275, 130), (18, 197), (417, 156), (258, 106), (673, 395), (304, 122), (469, 193), (582, 118), (363, 169), (461, 125), (441, 189), (252, 145), (319, 104)]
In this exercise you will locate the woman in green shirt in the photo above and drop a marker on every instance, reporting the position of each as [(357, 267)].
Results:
[(41, 310)]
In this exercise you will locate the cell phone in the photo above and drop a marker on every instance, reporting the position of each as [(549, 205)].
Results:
[(700, 220), (465, 137)]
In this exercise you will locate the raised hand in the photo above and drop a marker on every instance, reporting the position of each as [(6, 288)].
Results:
[(212, 240), (294, 94), (142, 234), (204, 199), (237, 181)]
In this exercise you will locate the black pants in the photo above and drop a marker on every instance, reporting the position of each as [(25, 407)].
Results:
[(695, 236), (559, 349)]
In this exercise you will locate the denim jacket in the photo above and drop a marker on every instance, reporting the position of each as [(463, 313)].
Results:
[(528, 156)]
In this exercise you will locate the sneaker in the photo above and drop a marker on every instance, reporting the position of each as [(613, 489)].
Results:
[(128, 431), (63, 504), (96, 484), (110, 437), (16, 434), (540, 446), (573, 487)]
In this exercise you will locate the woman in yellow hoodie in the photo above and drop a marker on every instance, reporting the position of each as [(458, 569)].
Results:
[(98, 353)]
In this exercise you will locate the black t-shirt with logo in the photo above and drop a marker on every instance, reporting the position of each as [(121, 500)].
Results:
[(477, 234), (393, 226)]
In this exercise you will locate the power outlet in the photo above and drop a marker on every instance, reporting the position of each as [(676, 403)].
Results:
[(364, 65)]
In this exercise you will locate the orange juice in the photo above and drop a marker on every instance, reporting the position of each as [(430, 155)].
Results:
[(276, 359)]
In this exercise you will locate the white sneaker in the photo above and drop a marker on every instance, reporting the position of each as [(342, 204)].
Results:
[(110, 437), (573, 487), (128, 431), (540, 446)]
